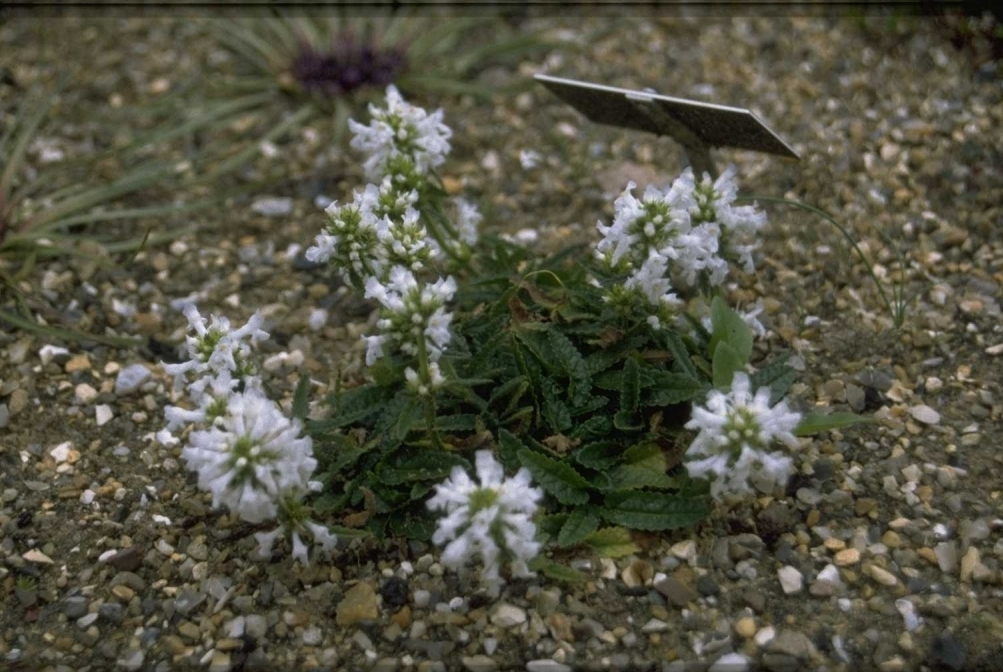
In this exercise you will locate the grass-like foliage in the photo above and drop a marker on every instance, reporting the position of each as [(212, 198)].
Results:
[(291, 70), (68, 207)]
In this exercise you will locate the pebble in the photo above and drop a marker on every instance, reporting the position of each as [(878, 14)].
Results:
[(745, 627), (358, 604), (946, 553), (130, 379), (272, 207), (791, 580), (675, 591), (846, 557), (883, 576), (827, 583), (479, 663), (730, 662), (792, 643), (547, 665), (925, 414), (948, 651), (103, 414), (506, 615), (84, 394)]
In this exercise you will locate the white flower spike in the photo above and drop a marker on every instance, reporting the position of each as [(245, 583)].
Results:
[(492, 519), (735, 432)]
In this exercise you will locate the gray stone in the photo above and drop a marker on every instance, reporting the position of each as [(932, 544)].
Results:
[(792, 643), (479, 663), (272, 207), (75, 607), (187, 601), (675, 591), (546, 665), (506, 615), (131, 378), (780, 662)]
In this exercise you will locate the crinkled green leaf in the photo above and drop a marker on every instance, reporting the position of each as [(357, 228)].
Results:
[(612, 542), (630, 387), (673, 388), (555, 411), (599, 455), (643, 466), (458, 422), (556, 571), (408, 465), (644, 510), (597, 425), (681, 360), (571, 361), (580, 523), (301, 398), (556, 478)]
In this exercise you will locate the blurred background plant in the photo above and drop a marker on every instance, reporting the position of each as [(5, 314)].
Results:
[(91, 206), (289, 71)]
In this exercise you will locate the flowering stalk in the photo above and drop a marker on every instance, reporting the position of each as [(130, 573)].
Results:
[(492, 519), (246, 452)]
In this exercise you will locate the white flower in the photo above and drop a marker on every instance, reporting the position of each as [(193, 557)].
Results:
[(492, 519), (468, 218), (737, 226), (322, 537), (650, 280), (736, 430), (216, 348), (414, 316), (251, 457), (401, 129), (351, 240)]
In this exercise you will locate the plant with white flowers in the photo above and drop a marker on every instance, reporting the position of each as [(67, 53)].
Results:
[(246, 452), (580, 373), (491, 519)]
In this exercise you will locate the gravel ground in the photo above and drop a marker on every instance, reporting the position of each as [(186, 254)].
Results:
[(886, 552)]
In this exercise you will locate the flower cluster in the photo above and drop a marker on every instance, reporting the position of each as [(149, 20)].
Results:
[(732, 446), (394, 230), (414, 320), (492, 519), (681, 235), (401, 132), (246, 452)]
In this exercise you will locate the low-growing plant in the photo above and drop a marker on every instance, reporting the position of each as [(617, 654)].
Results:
[(585, 372)]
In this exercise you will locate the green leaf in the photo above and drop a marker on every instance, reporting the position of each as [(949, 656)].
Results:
[(459, 422), (630, 387), (408, 465), (555, 411), (301, 398), (556, 478), (776, 375), (513, 389), (569, 359), (347, 532), (582, 522), (813, 423), (551, 524), (727, 326), (601, 360), (612, 542), (556, 571), (643, 466), (726, 363), (410, 416), (653, 510), (600, 455), (597, 425), (673, 388), (681, 360)]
